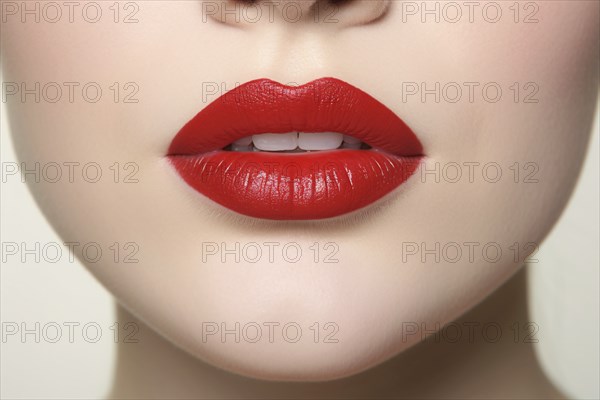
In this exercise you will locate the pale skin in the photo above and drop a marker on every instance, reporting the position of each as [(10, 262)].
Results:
[(507, 369), (375, 289)]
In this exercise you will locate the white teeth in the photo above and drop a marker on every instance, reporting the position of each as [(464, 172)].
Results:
[(296, 142), (245, 141), (320, 141), (276, 141), (351, 140)]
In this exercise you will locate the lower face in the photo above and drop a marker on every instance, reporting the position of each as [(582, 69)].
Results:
[(459, 209)]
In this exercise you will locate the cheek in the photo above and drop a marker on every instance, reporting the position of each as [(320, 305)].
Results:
[(149, 82)]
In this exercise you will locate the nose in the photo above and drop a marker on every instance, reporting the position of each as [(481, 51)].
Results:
[(330, 13)]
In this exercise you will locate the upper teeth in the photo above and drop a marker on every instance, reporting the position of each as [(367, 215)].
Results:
[(296, 140), (275, 142)]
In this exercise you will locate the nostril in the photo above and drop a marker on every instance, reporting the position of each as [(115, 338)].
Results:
[(360, 12), (245, 2), (352, 12)]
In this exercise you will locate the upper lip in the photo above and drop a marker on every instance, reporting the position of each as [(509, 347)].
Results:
[(323, 105)]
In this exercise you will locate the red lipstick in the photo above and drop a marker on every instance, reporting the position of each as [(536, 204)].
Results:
[(295, 185)]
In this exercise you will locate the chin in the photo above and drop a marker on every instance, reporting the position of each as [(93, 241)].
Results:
[(296, 362)]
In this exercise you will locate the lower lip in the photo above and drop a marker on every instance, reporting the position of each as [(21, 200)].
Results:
[(295, 186)]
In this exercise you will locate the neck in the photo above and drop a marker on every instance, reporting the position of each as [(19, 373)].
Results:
[(476, 365)]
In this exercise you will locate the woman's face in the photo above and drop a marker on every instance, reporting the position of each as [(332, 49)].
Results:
[(499, 94)]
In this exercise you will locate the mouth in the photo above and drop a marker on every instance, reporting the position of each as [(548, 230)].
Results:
[(315, 151)]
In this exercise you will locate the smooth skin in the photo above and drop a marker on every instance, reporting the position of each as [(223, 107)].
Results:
[(178, 53)]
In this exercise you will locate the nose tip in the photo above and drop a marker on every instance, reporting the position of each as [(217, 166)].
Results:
[(334, 13)]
